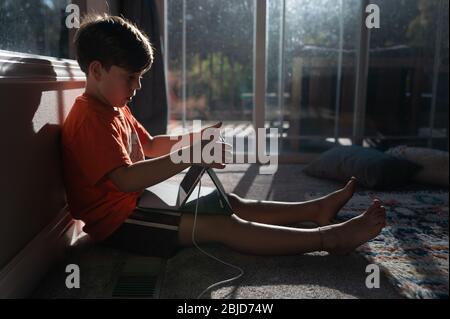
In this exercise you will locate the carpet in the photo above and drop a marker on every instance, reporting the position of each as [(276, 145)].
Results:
[(412, 249), (315, 275)]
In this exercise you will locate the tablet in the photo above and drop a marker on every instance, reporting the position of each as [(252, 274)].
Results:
[(189, 182)]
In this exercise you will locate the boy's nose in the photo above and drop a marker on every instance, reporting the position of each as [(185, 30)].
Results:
[(138, 84)]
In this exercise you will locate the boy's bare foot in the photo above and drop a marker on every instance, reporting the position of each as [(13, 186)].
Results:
[(345, 237), (331, 204)]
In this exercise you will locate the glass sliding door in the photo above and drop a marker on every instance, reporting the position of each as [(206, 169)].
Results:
[(311, 71), (317, 92), (407, 89), (210, 62)]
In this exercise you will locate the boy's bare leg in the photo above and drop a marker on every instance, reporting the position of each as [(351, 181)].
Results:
[(321, 210), (263, 239)]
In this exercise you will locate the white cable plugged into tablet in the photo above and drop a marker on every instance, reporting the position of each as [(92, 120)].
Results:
[(213, 257)]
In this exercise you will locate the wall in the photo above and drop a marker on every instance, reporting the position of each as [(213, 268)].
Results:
[(36, 94)]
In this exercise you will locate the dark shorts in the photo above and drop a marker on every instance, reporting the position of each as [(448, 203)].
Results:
[(153, 233), (148, 233)]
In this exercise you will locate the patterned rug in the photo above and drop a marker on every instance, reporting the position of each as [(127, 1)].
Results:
[(413, 248)]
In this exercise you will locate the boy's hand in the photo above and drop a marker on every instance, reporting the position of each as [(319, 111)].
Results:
[(225, 150), (216, 144), (214, 126), (217, 125)]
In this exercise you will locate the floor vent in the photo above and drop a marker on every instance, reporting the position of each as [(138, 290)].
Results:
[(141, 277)]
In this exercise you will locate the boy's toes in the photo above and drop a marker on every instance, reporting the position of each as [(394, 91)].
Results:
[(380, 215), (376, 202), (372, 209)]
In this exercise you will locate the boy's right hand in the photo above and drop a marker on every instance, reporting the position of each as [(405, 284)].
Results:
[(210, 129), (225, 149)]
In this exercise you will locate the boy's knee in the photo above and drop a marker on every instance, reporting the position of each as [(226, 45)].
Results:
[(235, 200), (207, 228)]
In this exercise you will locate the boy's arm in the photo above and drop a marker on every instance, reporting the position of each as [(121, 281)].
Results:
[(163, 144), (143, 174)]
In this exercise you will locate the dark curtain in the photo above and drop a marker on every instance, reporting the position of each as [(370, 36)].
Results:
[(149, 105)]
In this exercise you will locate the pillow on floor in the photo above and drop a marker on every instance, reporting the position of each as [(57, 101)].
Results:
[(374, 169), (434, 162)]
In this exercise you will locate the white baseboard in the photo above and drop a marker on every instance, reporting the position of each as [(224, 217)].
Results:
[(22, 274)]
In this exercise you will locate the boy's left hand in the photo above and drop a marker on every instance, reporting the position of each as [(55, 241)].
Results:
[(214, 126), (217, 125)]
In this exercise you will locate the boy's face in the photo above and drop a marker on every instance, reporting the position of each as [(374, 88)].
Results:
[(118, 86)]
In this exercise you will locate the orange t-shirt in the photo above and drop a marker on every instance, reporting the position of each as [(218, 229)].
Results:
[(96, 139)]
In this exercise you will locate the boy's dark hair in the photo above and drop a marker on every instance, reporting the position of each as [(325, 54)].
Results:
[(112, 40)]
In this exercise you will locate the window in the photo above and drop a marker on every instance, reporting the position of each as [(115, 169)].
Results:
[(407, 89), (210, 60), (34, 26), (311, 59), (314, 55)]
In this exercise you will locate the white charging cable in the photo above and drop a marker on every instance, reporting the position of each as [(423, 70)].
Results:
[(213, 257)]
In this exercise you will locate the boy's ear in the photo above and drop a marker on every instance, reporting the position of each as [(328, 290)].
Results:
[(95, 68)]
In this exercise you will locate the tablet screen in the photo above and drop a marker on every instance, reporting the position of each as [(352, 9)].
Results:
[(218, 184), (189, 181)]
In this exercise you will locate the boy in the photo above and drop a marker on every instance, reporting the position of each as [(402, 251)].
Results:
[(105, 170)]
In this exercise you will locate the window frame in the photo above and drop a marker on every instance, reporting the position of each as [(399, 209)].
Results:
[(361, 72)]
